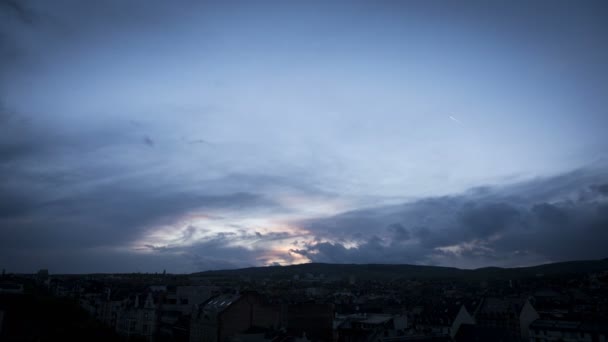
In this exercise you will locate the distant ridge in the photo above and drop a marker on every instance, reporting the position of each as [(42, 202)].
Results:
[(405, 271)]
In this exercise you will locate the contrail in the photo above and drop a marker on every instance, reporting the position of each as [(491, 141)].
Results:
[(455, 120)]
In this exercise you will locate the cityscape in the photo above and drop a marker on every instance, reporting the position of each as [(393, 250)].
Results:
[(304, 170), (313, 302)]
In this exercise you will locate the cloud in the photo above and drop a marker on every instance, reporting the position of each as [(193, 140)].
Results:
[(104, 214), (223, 250), (543, 220), (601, 188), (113, 218), (199, 142), (148, 141), (455, 120), (486, 219), (100, 189), (114, 134), (373, 250), (399, 231)]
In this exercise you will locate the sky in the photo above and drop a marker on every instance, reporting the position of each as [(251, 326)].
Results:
[(142, 136)]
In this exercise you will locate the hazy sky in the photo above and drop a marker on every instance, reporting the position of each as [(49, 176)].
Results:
[(190, 135)]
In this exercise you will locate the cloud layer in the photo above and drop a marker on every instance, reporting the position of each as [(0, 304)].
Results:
[(544, 220), (197, 135)]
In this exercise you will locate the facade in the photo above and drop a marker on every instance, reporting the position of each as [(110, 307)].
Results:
[(109, 311), (138, 319), (175, 304), (511, 314), (527, 315), (228, 316), (462, 317), (223, 317)]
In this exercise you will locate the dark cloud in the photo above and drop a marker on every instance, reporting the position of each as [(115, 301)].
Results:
[(83, 198), (67, 208), (18, 9), (100, 209), (562, 231), (486, 219), (148, 141), (400, 233), (507, 226), (373, 250), (548, 213), (219, 251), (16, 17), (214, 253), (602, 189)]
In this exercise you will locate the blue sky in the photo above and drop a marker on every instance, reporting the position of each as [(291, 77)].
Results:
[(198, 135)]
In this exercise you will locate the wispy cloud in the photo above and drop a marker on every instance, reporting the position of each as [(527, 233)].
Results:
[(455, 120)]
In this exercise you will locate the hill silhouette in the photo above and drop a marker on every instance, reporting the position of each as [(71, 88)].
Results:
[(406, 271)]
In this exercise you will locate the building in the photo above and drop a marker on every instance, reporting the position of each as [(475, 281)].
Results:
[(476, 333), (443, 320), (137, 318), (175, 305), (511, 314), (315, 321), (543, 330), (223, 317), (12, 288), (365, 327)]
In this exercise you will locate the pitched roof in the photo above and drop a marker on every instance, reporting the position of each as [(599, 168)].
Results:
[(221, 302)]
